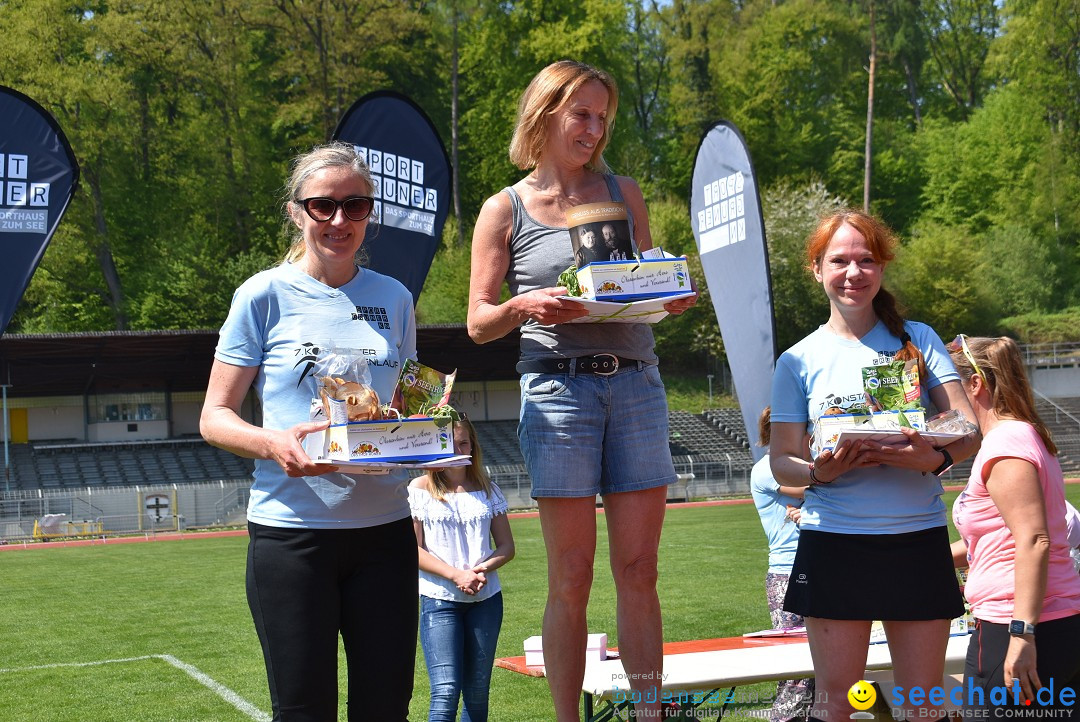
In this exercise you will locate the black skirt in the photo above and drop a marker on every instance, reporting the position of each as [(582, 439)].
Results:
[(888, 577)]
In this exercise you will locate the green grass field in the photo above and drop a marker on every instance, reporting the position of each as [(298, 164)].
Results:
[(161, 631)]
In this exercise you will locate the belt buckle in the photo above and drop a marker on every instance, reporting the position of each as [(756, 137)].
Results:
[(614, 360)]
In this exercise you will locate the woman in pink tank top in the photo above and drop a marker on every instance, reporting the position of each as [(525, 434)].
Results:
[(1021, 584)]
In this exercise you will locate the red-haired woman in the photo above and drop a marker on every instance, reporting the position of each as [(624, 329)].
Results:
[(873, 544)]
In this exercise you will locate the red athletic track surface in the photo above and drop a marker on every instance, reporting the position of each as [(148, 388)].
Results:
[(179, 536)]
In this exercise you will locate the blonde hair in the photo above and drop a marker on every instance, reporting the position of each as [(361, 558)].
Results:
[(882, 243), (1003, 371), (546, 93), (439, 485), (336, 154)]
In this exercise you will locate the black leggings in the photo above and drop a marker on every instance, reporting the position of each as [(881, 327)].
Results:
[(304, 587), (1057, 660)]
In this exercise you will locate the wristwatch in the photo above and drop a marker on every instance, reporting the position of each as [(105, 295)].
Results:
[(1019, 628), (946, 463)]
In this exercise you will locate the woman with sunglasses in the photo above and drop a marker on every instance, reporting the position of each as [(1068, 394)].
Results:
[(329, 553), (1021, 585), (593, 409), (873, 540)]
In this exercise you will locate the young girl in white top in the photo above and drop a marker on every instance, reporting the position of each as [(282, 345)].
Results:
[(457, 512)]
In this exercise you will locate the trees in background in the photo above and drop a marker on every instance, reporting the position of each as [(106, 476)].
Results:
[(790, 212), (184, 114)]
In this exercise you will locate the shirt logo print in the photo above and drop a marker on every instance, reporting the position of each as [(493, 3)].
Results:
[(309, 354), (372, 314)]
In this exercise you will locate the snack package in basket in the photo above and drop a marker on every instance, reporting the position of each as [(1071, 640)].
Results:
[(893, 387), (345, 387), (424, 391)]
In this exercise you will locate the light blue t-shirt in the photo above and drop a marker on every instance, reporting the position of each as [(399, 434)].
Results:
[(782, 533), (824, 371), (280, 321)]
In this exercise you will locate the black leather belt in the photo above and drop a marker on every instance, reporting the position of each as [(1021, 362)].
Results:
[(602, 364)]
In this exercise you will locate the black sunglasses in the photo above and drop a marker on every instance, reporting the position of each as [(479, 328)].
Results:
[(322, 209)]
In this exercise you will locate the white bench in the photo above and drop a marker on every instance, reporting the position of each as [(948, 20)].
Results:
[(606, 689)]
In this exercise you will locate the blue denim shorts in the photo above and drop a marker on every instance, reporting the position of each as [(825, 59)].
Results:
[(587, 434)]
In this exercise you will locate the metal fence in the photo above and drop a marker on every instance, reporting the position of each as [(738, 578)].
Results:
[(1051, 354), (154, 509), (700, 477), (151, 509), (1061, 418)]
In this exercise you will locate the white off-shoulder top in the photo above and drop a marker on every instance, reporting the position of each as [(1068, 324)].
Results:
[(457, 531)]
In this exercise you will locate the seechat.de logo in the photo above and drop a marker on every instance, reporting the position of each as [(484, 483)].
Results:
[(968, 694)]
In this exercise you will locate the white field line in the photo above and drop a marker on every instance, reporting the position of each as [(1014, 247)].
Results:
[(213, 685), (78, 664)]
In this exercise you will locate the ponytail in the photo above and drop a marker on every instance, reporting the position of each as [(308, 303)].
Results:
[(886, 309)]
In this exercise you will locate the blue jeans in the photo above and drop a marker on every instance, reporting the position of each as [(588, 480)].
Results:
[(459, 649), (585, 434)]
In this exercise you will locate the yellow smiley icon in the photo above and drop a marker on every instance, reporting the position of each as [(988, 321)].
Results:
[(862, 695)]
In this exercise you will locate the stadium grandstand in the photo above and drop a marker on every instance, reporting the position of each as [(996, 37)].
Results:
[(102, 429)]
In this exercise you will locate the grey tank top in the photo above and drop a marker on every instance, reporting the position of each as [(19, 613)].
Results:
[(538, 254)]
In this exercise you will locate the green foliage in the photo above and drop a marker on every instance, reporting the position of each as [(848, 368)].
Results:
[(693, 339), (898, 175), (939, 276), (903, 55), (646, 119), (445, 298), (1040, 51), (1006, 177), (183, 116), (1013, 256), (568, 279), (67, 293), (790, 76), (983, 172), (669, 223), (689, 391), (1063, 326), (959, 36), (791, 213)]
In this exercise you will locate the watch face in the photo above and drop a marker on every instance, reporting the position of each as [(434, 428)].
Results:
[(1020, 627)]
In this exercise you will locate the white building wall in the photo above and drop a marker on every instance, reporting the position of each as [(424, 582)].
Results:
[(55, 422), (127, 430), (487, 400), (185, 416), (1057, 383)]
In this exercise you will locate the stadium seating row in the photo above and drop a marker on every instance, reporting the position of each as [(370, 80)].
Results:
[(52, 465)]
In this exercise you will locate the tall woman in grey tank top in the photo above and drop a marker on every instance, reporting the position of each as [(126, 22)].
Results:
[(593, 410)]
